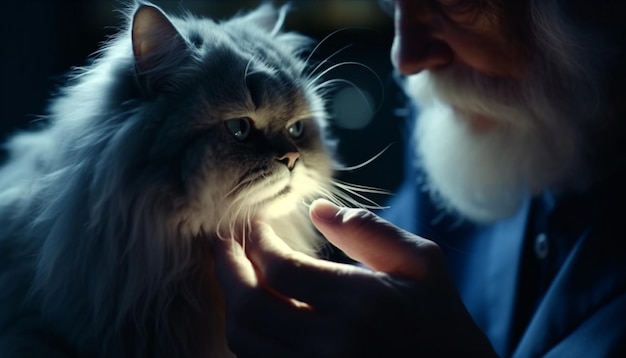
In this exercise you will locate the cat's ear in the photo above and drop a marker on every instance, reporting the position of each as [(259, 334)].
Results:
[(267, 17), (157, 45)]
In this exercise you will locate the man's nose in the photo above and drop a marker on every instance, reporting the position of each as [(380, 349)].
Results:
[(418, 44)]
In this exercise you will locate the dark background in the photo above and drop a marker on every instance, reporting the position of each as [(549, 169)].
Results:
[(43, 39)]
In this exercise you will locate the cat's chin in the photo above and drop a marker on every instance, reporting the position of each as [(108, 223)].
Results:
[(281, 205), (280, 195)]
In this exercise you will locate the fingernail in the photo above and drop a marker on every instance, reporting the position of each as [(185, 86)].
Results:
[(324, 209)]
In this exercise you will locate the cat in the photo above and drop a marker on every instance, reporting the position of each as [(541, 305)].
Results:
[(179, 133)]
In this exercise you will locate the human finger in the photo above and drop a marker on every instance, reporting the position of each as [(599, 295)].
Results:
[(375, 242), (255, 312), (294, 274), (233, 269)]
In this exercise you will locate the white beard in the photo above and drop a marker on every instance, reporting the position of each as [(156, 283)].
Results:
[(486, 174)]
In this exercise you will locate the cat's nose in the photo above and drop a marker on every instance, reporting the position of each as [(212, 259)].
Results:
[(289, 159)]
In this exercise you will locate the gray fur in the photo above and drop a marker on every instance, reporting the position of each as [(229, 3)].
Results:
[(108, 213)]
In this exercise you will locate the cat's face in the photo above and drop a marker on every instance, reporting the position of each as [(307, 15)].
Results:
[(234, 124)]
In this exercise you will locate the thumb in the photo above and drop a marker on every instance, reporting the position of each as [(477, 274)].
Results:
[(373, 241)]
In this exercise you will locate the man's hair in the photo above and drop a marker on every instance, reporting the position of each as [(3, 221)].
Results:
[(587, 40)]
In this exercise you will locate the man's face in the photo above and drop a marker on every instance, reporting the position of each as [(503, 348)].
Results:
[(499, 116), (464, 34)]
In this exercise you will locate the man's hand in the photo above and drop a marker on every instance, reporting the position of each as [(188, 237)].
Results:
[(282, 303)]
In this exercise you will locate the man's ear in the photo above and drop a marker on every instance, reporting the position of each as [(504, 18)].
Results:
[(157, 45)]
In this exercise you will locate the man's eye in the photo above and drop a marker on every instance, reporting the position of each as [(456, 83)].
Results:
[(465, 12), (458, 7)]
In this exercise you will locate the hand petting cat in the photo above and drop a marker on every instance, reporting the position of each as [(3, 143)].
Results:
[(282, 303)]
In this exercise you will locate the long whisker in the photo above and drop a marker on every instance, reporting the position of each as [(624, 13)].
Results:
[(327, 59), (247, 225), (345, 199), (355, 192), (236, 216), (351, 84), (344, 194), (319, 76), (334, 197), (237, 187), (232, 211), (346, 63), (337, 80), (361, 165), (327, 38), (361, 188)]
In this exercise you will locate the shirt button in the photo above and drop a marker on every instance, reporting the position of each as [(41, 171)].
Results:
[(541, 246)]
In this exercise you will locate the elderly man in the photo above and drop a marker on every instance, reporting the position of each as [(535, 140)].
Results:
[(519, 179)]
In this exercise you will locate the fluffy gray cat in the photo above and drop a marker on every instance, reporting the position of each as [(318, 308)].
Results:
[(180, 132)]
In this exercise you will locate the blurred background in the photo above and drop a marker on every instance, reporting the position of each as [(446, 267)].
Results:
[(43, 39)]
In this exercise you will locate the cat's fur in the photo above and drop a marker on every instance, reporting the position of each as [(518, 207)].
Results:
[(108, 213)]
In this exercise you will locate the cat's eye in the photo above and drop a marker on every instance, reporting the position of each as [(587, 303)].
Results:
[(239, 127), (296, 129)]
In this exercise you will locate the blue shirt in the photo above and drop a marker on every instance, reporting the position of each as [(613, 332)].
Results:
[(550, 281)]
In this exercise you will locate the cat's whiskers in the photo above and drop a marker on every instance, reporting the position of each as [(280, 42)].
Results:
[(236, 188), (347, 194), (315, 81), (340, 64), (344, 194), (347, 191), (230, 215), (239, 187), (366, 162), (351, 84), (247, 226), (327, 59), (321, 86), (319, 44)]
